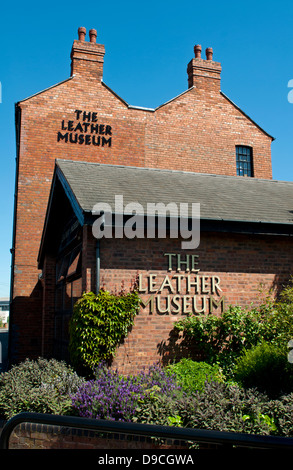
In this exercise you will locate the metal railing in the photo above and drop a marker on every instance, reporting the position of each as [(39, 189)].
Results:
[(136, 429)]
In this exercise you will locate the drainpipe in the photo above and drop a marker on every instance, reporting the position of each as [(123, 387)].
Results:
[(12, 250), (97, 266)]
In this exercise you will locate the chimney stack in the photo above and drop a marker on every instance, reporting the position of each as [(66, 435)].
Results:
[(204, 73), (87, 57)]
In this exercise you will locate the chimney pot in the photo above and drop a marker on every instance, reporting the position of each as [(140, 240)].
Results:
[(81, 34), (209, 53), (93, 35), (87, 57), (204, 74), (197, 51)]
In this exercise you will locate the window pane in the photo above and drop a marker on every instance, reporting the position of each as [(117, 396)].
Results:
[(243, 161)]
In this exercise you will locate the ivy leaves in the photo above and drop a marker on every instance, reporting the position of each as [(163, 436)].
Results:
[(99, 324)]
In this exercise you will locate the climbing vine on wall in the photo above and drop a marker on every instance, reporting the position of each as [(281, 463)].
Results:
[(98, 325)]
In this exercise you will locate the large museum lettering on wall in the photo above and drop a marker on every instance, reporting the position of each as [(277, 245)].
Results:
[(85, 129), (185, 292)]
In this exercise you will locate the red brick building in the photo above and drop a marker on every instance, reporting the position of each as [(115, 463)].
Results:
[(79, 144)]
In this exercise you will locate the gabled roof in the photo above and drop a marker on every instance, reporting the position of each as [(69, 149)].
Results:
[(151, 110), (227, 203), (230, 198)]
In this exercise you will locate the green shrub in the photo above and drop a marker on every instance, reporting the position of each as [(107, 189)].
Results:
[(157, 408), (42, 386), (282, 410), (223, 338), (227, 408), (279, 324), (192, 375), (218, 407), (265, 367), (98, 324)]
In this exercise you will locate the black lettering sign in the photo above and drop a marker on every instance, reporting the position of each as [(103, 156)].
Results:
[(61, 136), (85, 129)]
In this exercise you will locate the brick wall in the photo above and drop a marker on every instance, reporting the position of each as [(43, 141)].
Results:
[(196, 131), (41, 436), (243, 265), (233, 269)]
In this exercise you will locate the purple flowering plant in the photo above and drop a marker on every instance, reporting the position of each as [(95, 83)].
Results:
[(113, 396)]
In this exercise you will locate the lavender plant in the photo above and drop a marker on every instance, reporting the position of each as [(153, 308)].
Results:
[(112, 396)]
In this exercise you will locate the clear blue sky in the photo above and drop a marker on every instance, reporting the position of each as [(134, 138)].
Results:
[(148, 46)]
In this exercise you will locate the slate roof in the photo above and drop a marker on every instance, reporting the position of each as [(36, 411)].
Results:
[(221, 198)]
